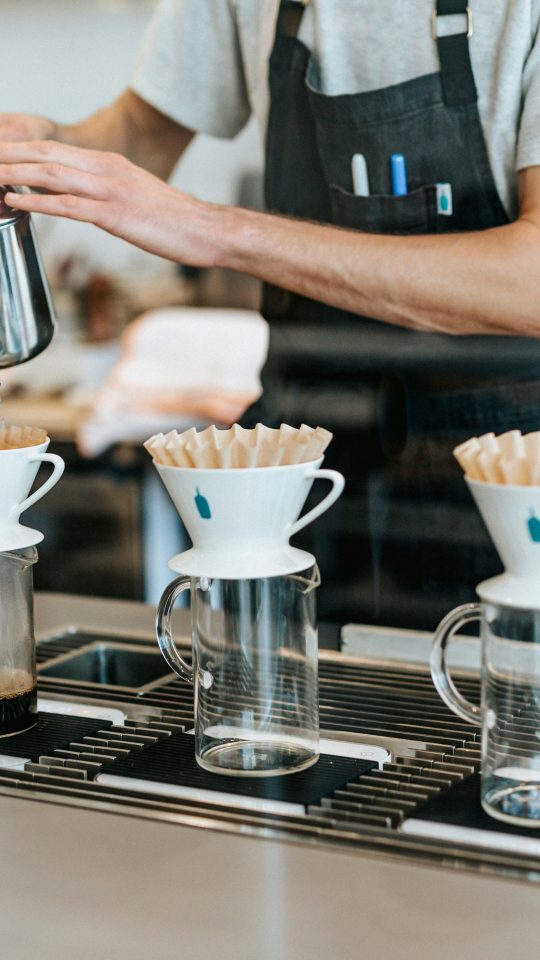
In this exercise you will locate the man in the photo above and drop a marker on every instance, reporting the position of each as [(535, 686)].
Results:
[(453, 89)]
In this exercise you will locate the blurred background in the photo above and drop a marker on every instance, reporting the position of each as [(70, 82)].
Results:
[(109, 527)]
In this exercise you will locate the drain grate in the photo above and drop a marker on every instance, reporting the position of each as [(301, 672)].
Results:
[(458, 815), (172, 762), (432, 752), (52, 732)]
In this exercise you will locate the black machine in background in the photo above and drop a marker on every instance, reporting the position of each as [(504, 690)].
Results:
[(395, 561), (92, 525)]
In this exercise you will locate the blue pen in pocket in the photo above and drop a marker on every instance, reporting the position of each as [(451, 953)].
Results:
[(399, 174)]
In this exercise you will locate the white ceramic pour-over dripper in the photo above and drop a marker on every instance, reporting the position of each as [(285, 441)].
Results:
[(18, 469), (512, 517), (240, 520)]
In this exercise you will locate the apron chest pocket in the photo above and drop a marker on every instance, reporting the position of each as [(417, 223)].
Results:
[(415, 212)]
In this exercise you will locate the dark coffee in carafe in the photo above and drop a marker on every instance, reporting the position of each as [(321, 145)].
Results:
[(18, 702)]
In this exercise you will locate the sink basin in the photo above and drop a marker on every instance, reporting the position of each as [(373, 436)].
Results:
[(119, 666)]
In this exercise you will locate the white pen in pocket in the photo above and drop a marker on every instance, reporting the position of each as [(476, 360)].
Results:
[(445, 204), (360, 176)]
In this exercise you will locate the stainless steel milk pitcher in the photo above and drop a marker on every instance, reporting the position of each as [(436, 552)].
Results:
[(26, 313)]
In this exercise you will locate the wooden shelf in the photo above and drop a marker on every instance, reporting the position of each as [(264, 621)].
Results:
[(57, 417)]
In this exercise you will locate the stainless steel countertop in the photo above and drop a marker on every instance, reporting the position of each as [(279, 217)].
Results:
[(82, 885)]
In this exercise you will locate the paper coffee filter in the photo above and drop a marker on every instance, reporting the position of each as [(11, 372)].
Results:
[(13, 437), (239, 447), (510, 458)]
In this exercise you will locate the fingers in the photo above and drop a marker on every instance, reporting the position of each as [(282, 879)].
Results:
[(54, 177), (115, 218), (58, 205), (64, 170), (50, 151)]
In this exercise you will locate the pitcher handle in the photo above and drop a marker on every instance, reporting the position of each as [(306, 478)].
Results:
[(448, 627), (338, 482), (164, 632), (58, 469)]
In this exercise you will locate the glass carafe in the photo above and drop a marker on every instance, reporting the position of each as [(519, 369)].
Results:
[(509, 712), (254, 671), (18, 690)]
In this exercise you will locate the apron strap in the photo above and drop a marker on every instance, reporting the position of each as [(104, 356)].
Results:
[(454, 54), (290, 16)]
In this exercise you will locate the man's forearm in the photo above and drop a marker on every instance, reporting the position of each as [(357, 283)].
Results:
[(132, 127), (486, 282)]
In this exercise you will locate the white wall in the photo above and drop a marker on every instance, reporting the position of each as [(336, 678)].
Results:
[(65, 59)]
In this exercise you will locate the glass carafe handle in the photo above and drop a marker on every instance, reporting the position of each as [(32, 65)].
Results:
[(444, 684), (164, 632)]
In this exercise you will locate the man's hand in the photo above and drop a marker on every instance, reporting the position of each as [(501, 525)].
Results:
[(113, 193)]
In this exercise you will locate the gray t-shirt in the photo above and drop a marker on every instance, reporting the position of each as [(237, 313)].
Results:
[(205, 63)]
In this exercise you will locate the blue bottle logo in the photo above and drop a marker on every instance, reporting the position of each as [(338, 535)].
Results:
[(204, 507), (533, 524)]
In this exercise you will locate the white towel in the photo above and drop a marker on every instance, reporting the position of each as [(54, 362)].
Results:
[(178, 366)]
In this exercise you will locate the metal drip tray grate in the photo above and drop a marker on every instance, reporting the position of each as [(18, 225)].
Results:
[(170, 768), (52, 732), (365, 702), (458, 815)]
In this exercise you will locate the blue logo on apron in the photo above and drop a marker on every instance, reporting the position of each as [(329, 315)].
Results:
[(534, 527), (204, 507)]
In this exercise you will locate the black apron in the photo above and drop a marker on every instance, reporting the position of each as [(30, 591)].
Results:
[(406, 542)]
